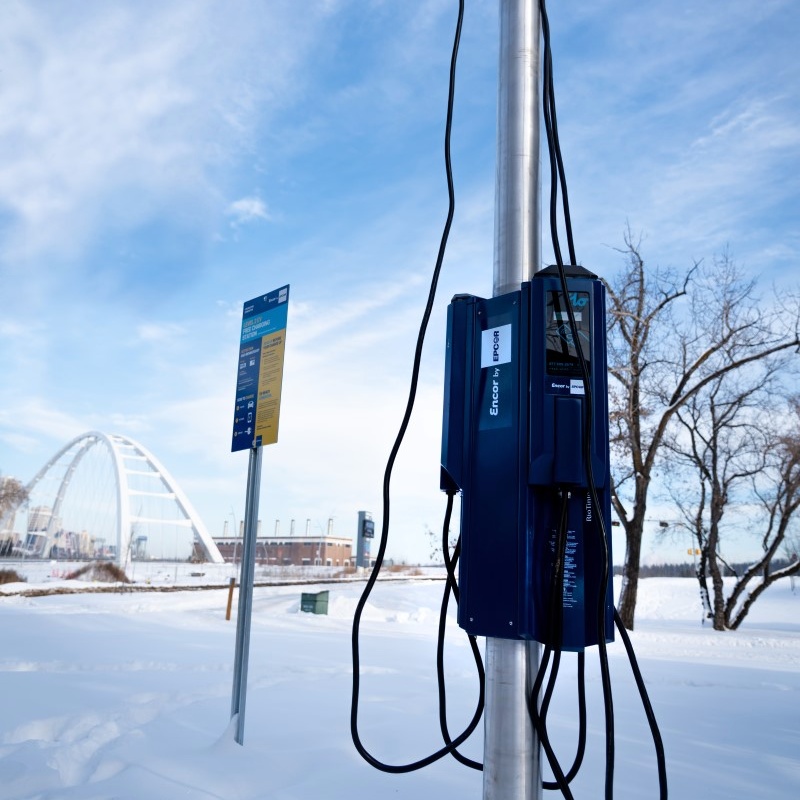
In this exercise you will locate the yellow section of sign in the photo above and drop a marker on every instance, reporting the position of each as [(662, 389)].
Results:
[(270, 379)]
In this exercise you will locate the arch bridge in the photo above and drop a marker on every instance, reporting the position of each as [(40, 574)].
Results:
[(105, 495)]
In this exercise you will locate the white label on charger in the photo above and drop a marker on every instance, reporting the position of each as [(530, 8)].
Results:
[(496, 346)]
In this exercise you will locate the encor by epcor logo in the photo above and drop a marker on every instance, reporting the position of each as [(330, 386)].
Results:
[(496, 347)]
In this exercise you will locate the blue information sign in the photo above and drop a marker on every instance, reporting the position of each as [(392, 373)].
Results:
[(260, 373)]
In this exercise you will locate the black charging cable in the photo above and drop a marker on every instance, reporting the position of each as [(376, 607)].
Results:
[(648, 708), (538, 715), (555, 636), (452, 745), (451, 586), (558, 176), (555, 631)]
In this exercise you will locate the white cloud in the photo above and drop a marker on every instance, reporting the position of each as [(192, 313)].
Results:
[(9, 329), (111, 115), (248, 209), (37, 418), (205, 116), (360, 306), (683, 123), (158, 332)]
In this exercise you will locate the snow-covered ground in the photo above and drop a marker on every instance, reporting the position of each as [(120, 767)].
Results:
[(128, 695)]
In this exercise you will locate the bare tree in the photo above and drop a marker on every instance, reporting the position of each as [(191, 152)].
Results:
[(671, 334), (722, 438), (746, 473), (778, 491), (435, 543), (12, 495)]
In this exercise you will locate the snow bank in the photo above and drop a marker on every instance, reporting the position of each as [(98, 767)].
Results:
[(128, 696)]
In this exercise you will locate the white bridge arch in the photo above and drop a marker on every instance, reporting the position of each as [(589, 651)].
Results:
[(138, 474)]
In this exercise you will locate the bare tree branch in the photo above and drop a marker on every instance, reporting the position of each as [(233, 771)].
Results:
[(674, 339)]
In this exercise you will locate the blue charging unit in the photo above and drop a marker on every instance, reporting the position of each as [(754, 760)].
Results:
[(513, 445)]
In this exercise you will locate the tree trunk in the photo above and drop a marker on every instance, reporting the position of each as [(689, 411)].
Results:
[(630, 573), (716, 578), (702, 579)]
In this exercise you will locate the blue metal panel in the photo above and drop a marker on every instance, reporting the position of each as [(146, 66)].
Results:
[(557, 418), (512, 442)]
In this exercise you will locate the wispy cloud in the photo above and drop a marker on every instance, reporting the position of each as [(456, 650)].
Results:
[(248, 209), (110, 116), (355, 308), (158, 332), (34, 417), (11, 329), (683, 123), (158, 167), (745, 148)]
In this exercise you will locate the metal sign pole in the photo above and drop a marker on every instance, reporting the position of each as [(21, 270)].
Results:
[(242, 654), (512, 768), (255, 423)]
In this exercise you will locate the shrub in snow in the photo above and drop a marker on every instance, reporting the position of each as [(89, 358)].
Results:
[(11, 576), (103, 571)]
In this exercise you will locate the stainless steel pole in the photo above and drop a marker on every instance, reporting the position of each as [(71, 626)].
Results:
[(239, 694), (512, 767), (517, 239)]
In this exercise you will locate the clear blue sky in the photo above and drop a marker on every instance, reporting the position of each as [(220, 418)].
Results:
[(160, 163)]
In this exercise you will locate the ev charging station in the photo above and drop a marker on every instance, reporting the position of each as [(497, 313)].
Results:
[(365, 533), (525, 442), (513, 445)]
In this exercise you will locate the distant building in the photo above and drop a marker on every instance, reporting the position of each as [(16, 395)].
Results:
[(299, 551), (9, 541), (39, 519)]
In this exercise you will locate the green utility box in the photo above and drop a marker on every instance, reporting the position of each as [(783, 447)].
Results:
[(314, 603)]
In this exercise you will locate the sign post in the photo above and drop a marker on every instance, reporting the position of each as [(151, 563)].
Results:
[(255, 423)]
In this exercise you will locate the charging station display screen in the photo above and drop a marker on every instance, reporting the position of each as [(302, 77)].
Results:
[(561, 355)]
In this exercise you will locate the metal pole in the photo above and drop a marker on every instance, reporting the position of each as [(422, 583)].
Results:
[(512, 768), (517, 242), (239, 694)]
